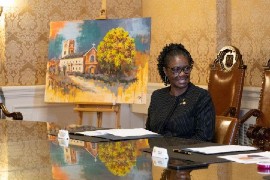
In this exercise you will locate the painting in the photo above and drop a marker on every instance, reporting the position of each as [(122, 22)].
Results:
[(98, 61)]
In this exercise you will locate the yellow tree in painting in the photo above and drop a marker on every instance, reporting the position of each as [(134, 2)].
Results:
[(116, 52)]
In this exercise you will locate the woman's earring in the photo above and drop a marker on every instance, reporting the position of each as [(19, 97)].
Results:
[(166, 80)]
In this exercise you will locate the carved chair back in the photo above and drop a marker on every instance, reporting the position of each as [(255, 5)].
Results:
[(264, 103), (259, 133), (226, 81)]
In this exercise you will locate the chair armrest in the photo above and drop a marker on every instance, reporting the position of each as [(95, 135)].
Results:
[(260, 136), (229, 112), (252, 112), (14, 115)]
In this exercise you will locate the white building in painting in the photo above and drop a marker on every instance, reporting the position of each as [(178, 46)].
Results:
[(78, 62), (74, 64)]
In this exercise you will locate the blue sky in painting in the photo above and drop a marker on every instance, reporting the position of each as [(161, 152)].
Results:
[(71, 30), (87, 32)]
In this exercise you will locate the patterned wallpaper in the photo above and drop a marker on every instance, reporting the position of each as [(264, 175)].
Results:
[(206, 26), (188, 22), (250, 24), (202, 26), (25, 31)]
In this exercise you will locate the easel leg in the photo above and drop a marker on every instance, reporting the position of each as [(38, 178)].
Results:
[(117, 121), (99, 119), (99, 109), (79, 121)]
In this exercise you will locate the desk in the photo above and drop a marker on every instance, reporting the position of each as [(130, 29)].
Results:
[(40, 158)]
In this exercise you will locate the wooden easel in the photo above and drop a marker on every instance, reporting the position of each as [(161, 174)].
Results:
[(99, 108), (103, 10)]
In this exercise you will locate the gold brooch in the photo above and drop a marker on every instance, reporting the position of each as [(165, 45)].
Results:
[(183, 102)]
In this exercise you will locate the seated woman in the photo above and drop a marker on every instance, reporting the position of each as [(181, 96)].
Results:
[(181, 109)]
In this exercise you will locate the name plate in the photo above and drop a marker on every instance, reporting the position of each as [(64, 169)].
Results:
[(63, 138), (63, 142), (161, 162), (63, 134), (160, 152)]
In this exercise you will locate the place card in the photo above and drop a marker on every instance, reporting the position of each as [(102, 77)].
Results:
[(160, 162), (63, 138), (160, 152), (63, 134)]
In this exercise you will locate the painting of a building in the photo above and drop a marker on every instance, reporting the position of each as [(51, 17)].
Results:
[(98, 61), (68, 47), (78, 62), (90, 60)]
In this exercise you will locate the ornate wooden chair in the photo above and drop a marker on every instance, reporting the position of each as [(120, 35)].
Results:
[(260, 132), (226, 81), (13, 115), (226, 130)]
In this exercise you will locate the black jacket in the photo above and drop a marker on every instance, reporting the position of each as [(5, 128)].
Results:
[(190, 115)]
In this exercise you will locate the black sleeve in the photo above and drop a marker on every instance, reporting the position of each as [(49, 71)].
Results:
[(205, 118), (149, 115)]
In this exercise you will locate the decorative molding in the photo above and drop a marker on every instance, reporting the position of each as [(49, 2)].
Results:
[(29, 100), (14, 92)]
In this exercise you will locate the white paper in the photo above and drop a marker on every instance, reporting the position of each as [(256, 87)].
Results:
[(119, 132), (93, 133), (248, 158), (221, 149)]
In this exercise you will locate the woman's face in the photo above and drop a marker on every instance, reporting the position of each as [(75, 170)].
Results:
[(178, 71)]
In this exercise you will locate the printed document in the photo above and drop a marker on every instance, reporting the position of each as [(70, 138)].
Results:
[(248, 158), (221, 149), (119, 132)]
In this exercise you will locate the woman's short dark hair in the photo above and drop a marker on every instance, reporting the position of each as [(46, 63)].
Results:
[(167, 52)]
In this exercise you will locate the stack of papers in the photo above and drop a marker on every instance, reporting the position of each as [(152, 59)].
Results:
[(118, 132), (221, 149), (248, 158)]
